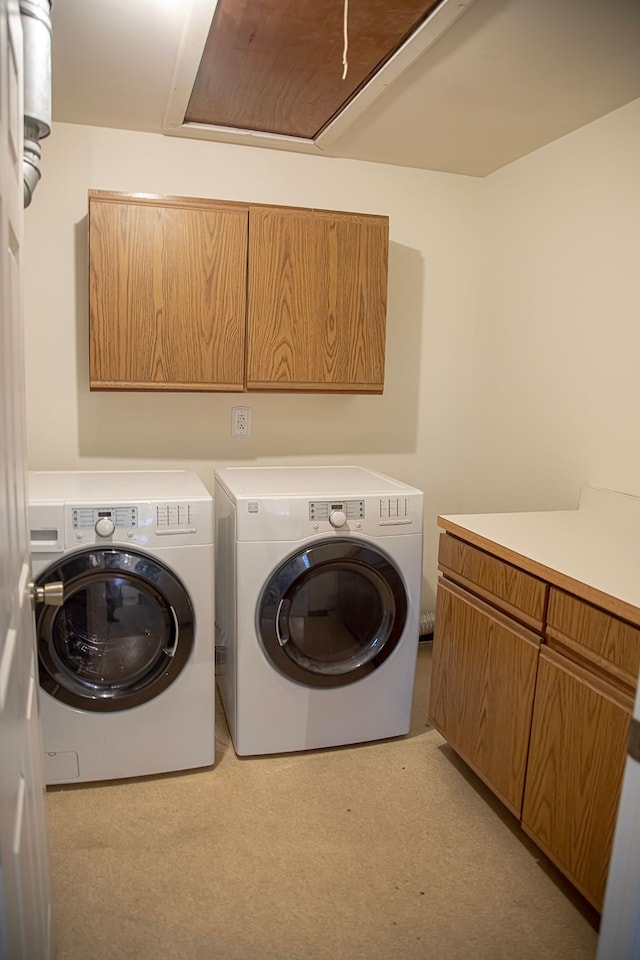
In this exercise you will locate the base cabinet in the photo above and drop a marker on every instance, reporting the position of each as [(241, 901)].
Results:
[(531, 686), (574, 774)]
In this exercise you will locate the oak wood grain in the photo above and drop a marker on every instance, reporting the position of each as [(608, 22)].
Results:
[(167, 294), (614, 605), (317, 294), (516, 592), (482, 685), (576, 761), (611, 643)]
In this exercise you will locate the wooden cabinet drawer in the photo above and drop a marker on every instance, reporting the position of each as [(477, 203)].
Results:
[(516, 592), (591, 633)]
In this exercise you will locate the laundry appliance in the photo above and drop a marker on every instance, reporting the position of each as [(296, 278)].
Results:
[(318, 576), (126, 662)]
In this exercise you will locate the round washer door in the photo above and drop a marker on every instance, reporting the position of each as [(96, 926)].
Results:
[(332, 613), (123, 634)]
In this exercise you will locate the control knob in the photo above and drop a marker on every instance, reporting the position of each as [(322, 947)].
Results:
[(105, 527), (337, 518)]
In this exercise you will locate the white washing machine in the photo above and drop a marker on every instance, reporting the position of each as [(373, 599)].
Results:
[(126, 663), (318, 577)]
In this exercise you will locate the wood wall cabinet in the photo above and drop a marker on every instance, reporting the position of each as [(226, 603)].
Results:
[(533, 687), (317, 301), (167, 293), (193, 294)]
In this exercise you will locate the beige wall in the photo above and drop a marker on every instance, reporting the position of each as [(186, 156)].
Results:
[(414, 431), (513, 330), (556, 385)]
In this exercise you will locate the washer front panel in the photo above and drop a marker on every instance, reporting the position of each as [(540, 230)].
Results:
[(332, 612)]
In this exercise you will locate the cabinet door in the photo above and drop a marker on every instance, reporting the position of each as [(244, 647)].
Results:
[(576, 760), (483, 676), (317, 300), (167, 293)]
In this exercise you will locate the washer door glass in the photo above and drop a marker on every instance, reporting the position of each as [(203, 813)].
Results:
[(123, 634), (332, 613)]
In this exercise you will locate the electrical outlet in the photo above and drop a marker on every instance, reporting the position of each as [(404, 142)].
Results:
[(241, 422)]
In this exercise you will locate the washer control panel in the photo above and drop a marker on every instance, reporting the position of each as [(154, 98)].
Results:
[(137, 522), (147, 523), (325, 509), (103, 520)]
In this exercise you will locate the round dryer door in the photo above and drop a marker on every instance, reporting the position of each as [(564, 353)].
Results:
[(332, 613), (123, 634)]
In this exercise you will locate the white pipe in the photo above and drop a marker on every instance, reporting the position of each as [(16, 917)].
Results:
[(36, 30)]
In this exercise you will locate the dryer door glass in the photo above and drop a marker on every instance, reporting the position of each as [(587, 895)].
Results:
[(123, 634), (332, 613)]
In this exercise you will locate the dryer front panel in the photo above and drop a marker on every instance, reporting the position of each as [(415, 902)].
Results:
[(123, 634), (332, 612)]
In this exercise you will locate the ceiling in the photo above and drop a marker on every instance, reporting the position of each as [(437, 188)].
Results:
[(480, 83)]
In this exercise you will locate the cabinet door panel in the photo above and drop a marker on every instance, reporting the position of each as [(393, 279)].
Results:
[(167, 295), (576, 760), (482, 684), (317, 294)]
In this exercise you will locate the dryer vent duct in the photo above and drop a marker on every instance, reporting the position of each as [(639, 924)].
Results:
[(36, 30), (427, 624)]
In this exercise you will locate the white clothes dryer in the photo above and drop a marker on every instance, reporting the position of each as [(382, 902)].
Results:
[(318, 578), (126, 663)]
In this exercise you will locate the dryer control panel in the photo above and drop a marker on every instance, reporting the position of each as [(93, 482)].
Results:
[(293, 518)]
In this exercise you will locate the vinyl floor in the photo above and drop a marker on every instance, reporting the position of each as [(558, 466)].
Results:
[(391, 850)]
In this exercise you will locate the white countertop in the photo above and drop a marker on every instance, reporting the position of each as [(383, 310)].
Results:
[(593, 551)]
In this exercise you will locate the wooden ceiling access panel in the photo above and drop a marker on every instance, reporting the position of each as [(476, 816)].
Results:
[(276, 66)]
